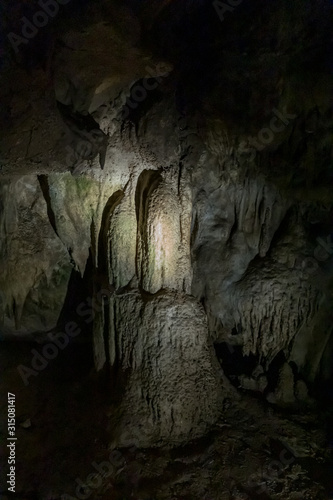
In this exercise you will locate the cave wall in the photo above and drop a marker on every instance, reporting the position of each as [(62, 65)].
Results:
[(194, 234)]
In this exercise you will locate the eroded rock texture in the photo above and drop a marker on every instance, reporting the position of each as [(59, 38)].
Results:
[(191, 233), (172, 381), (35, 268)]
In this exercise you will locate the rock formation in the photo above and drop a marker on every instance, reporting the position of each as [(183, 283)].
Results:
[(206, 224)]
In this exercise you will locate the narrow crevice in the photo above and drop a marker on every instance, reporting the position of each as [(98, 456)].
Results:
[(79, 293), (44, 185), (233, 229), (87, 138), (147, 183), (141, 100), (194, 229), (180, 170), (283, 228), (110, 206)]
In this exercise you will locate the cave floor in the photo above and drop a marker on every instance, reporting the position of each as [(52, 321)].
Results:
[(254, 452)]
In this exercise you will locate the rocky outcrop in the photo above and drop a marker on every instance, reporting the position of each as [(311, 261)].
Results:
[(161, 344), (35, 267), (156, 338)]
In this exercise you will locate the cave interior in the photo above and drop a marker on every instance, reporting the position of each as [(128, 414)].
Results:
[(166, 231)]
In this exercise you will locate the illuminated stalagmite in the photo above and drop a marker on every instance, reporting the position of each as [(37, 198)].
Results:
[(152, 332)]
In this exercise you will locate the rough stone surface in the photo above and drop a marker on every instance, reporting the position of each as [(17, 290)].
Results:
[(34, 264), (162, 345), (285, 390)]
